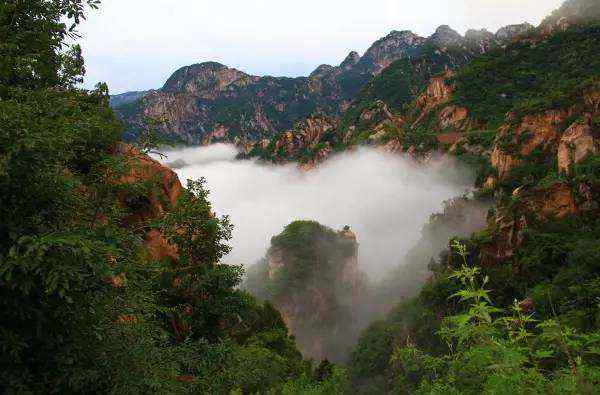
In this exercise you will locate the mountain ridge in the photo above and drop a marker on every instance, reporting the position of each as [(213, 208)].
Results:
[(209, 102)]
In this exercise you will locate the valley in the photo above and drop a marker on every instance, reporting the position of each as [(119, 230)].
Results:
[(419, 219)]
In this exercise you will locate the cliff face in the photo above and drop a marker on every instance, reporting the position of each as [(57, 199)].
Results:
[(163, 194), (311, 275)]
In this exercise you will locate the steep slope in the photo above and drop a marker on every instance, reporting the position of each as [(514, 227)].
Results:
[(528, 116)]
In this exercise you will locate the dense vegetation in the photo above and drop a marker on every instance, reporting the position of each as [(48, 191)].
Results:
[(529, 77), (403, 80), (85, 306), (514, 308)]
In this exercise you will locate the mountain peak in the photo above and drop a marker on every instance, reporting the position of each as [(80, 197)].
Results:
[(473, 34), (200, 77), (445, 35), (510, 32), (322, 69), (352, 59)]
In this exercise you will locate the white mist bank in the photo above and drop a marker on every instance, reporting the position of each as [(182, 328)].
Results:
[(385, 198)]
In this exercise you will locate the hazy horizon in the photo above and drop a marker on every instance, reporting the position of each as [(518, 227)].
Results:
[(137, 45)]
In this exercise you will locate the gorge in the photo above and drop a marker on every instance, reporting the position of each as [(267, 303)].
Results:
[(421, 219)]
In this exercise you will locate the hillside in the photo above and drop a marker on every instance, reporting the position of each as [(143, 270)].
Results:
[(211, 102), (373, 111), (519, 295), (110, 273)]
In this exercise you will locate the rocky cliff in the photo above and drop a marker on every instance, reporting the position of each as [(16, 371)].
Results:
[(526, 116), (311, 275)]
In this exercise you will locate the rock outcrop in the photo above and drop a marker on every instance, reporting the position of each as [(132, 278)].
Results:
[(165, 190), (312, 277), (209, 102), (576, 144)]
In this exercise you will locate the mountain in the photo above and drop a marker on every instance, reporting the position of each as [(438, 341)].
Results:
[(526, 116), (371, 113), (124, 98), (210, 102)]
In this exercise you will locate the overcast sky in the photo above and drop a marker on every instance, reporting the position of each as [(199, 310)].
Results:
[(137, 44)]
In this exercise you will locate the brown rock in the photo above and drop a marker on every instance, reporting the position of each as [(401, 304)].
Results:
[(453, 117), (558, 202), (575, 145), (142, 168), (543, 129), (503, 162), (449, 138)]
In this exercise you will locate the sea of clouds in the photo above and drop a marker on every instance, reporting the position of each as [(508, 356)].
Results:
[(385, 198)]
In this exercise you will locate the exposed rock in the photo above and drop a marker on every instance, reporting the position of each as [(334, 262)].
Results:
[(558, 202), (205, 80), (315, 273), (445, 36), (576, 144), (351, 60), (142, 168), (453, 117), (503, 162), (394, 46), (321, 71), (541, 130), (306, 135), (482, 40), (438, 91), (449, 138), (127, 97), (570, 12), (199, 101), (511, 32)]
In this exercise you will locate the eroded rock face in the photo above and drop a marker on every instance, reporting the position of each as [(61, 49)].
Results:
[(140, 169), (383, 52), (451, 118), (206, 81), (511, 32), (540, 130), (576, 144), (571, 12), (503, 162), (557, 202), (313, 272)]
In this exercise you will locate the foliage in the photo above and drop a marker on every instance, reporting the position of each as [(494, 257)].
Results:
[(490, 349), (85, 306), (526, 77)]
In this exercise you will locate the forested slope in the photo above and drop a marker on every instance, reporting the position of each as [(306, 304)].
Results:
[(110, 280)]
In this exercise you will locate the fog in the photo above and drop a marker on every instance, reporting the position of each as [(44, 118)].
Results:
[(385, 198)]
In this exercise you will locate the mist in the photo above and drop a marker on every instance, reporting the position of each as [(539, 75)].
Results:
[(386, 199)]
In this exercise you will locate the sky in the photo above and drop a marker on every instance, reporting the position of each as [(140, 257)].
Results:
[(138, 44)]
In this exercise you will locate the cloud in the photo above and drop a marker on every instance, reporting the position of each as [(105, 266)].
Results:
[(385, 198)]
